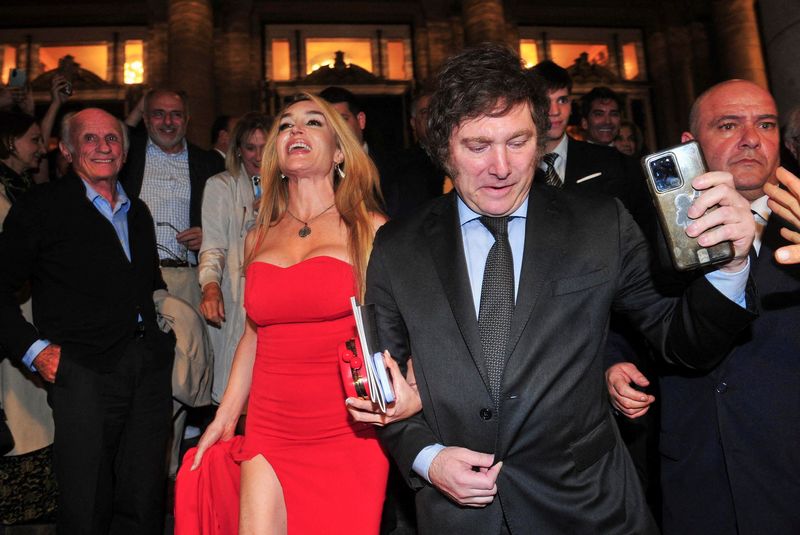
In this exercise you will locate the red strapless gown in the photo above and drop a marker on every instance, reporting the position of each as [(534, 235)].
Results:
[(333, 471)]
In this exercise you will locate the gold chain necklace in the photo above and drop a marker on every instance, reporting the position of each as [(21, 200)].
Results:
[(306, 230)]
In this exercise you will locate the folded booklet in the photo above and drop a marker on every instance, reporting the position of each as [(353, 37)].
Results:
[(362, 361)]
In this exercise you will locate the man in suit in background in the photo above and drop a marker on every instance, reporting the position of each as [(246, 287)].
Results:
[(601, 116), (221, 132), (729, 456), (352, 111), (507, 333), (574, 164), (89, 253), (415, 177)]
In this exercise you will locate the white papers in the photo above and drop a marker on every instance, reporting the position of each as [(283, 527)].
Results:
[(380, 385)]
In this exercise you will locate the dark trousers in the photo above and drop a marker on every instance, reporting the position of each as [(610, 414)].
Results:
[(111, 432)]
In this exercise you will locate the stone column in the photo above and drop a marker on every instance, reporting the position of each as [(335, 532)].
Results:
[(668, 126), (191, 34), (780, 26), (738, 45), (484, 20), (236, 73)]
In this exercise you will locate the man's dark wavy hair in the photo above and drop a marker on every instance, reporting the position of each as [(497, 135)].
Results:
[(485, 80)]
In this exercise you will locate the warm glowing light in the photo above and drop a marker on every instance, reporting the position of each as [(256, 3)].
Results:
[(90, 57), (9, 62), (630, 61), (322, 52), (565, 54), (528, 52), (281, 60), (134, 62), (396, 55)]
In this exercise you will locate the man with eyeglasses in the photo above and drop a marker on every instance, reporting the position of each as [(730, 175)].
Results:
[(169, 174), (87, 251)]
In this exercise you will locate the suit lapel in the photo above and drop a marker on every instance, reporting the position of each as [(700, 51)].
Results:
[(443, 233), (545, 236), (573, 161)]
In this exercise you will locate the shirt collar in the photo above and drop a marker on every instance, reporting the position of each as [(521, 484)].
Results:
[(759, 206), (123, 202), (561, 148), (466, 214)]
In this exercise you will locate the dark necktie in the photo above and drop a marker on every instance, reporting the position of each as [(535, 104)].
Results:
[(551, 177), (497, 303)]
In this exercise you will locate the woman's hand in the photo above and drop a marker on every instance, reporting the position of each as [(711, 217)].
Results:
[(216, 431), (212, 305), (407, 401)]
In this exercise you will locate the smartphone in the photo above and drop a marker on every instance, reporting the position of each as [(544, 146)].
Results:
[(17, 78), (669, 177)]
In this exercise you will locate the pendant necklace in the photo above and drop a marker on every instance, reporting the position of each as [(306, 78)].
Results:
[(306, 230)]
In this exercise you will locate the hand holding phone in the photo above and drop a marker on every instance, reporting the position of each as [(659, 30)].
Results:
[(670, 175)]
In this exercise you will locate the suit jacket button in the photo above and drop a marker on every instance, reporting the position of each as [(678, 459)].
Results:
[(486, 414), (722, 388)]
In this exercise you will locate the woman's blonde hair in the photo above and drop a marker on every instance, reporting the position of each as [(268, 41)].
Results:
[(355, 195), (249, 122)]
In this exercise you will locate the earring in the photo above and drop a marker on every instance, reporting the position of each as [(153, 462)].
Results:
[(339, 170), (238, 154), (11, 148), (284, 177)]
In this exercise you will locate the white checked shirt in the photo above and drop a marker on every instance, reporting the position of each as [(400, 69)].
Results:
[(166, 190)]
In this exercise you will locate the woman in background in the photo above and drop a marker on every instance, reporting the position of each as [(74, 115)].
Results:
[(629, 141), (27, 484), (229, 212)]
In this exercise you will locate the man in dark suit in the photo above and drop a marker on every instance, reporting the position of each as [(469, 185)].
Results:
[(415, 178), (89, 253), (351, 110), (507, 334), (585, 166), (602, 170), (729, 436)]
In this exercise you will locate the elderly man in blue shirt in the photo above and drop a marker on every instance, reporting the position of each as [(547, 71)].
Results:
[(89, 254)]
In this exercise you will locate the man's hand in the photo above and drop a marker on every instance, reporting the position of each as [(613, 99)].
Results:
[(212, 305), (407, 401), (46, 362), (453, 472), (730, 221), (786, 204), (626, 399), (191, 238)]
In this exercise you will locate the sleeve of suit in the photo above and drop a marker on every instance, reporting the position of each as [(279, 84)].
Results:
[(697, 331), (18, 250), (404, 439)]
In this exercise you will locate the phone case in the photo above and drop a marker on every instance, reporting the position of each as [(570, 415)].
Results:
[(672, 195)]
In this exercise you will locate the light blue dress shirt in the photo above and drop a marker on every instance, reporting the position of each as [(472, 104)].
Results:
[(477, 242), (118, 217)]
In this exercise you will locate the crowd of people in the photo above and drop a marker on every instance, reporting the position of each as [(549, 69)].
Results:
[(552, 372)]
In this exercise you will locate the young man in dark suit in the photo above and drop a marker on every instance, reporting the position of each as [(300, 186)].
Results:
[(89, 253), (583, 166), (501, 291), (729, 438)]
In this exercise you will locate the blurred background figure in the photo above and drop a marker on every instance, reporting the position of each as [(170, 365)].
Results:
[(629, 141), (27, 468), (601, 115), (230, 204)]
